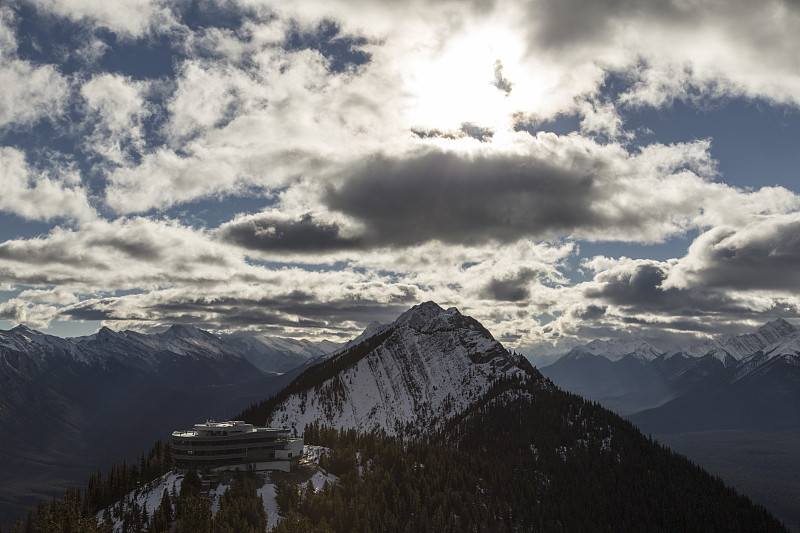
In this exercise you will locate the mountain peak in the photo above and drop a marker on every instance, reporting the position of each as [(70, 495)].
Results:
[(616, 349), (22, 329), (777, 330), (425, 368), (182, 331), (420, 314), (429, 317)]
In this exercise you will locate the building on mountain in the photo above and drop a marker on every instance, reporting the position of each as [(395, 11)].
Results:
[(235, 445)]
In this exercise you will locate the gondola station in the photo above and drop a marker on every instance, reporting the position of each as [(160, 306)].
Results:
[(235, 445)]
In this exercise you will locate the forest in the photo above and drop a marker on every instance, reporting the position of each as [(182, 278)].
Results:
[(525, 458)]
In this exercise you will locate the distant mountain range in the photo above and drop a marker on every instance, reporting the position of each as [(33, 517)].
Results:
[(732, 405), (69, 406), (746, 376)]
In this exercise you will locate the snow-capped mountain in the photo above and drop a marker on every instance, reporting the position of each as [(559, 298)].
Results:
[(616, 349), (405, 378), (277, 354), (630, 375), (770, 334)]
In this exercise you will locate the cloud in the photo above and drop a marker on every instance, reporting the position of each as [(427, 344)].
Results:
[(19, 311), (763, 255), (243, 308), (232, 128), (38, 195), (467, 129), (88, 259), (559, 186), (30, 93), (550, 188), (129, 19), (118, 106), (675, 48), (273, 233), (511, 288), (638, 286), (500, 82)]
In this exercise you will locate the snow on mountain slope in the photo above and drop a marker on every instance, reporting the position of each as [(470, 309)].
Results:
[(42, 347), (616, 349), (770, 333), (277, 354), (34, 352), (785, 352), (430, 364)]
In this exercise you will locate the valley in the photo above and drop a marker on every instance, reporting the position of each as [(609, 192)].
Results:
[(731, 405)]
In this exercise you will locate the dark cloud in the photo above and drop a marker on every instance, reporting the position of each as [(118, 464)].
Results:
[(637, 288), (569, 23), (467, 129), (479, 133), (88, 311), (143, 249), (470, 200), (590, 312), (297, 309), (763, 256), (513, 288), (266, 233), (500, 82)]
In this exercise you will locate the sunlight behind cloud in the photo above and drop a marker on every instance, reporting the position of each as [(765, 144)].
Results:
[(473, 78)]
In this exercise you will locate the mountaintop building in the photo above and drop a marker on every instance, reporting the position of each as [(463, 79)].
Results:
[(235, 445)]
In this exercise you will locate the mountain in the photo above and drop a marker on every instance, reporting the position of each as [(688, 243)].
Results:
[(630, 375), (69, 406), (760, 392), (615, 350), (429, 424), (406, 378), (732, 404), (277, 354), (623, 374), (458, 403)]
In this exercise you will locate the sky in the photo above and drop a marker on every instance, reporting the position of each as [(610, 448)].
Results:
[(561, 170)]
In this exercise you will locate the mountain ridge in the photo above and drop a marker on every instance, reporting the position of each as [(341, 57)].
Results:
[(405, 378)]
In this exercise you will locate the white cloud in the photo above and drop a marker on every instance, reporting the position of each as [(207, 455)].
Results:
[(48, 296), (8, 41), (128, 18), (40, 195), (264, 127), (30, 93), (19, 311), (118, 105)]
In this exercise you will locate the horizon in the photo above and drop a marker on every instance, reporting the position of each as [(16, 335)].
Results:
[(560, 172), (543, 355)]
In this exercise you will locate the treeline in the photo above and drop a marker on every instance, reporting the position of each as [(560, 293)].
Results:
[(124, 478)]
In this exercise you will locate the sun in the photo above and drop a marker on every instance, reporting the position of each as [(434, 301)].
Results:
[(477, 77)]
